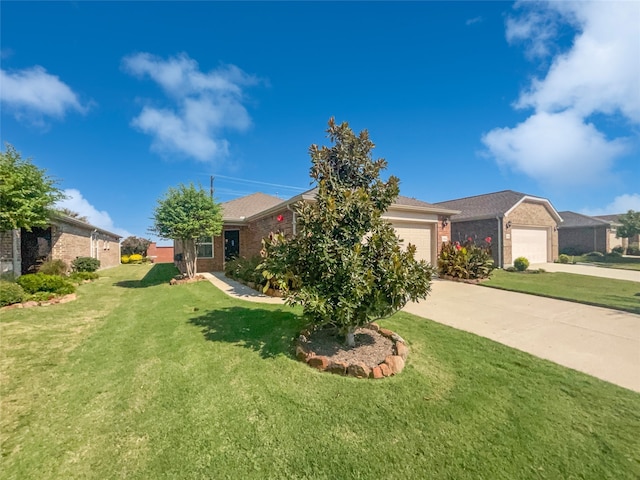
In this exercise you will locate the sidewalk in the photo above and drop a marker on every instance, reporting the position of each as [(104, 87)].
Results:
[(592, 270)]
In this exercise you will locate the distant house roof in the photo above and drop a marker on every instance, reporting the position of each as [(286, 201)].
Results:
[(577, 220), (61, 217), (492, 205), (245, 207), (609, 218)]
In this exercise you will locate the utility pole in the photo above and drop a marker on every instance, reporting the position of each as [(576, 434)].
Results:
[(211, 187)]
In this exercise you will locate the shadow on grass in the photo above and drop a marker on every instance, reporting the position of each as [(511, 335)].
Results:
[(268, 332), (159, 273)]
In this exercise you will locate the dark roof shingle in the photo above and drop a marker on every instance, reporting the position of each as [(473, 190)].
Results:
[(248, 205), (573, 220), (484, 206)]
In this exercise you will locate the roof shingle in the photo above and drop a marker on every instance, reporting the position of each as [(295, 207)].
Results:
[(484, 206), (248, 205)]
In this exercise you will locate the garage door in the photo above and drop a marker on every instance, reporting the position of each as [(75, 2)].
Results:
[(417, 234), (529, 243)]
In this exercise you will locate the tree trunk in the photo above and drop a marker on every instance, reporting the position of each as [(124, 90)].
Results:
[(351, 337), (190, 256)]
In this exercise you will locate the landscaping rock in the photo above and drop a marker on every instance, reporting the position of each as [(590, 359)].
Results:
[(339, 368), (376, 372), (358, 370), (386, 333), (397, 338), (30, 303), (385, 370), (402, 350), (374, 326), (321, 363), (395, 362), (302, 354)]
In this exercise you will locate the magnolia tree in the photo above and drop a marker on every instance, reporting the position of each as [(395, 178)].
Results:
[(346, 262), (27, 194), (187, 213)]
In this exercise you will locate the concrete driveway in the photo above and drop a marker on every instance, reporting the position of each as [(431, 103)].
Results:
[(591, 270), (598, 341)]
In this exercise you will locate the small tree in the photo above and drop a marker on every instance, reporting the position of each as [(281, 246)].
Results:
[(186, 214), (133, 244), (630, 225), (27, 194), (346, 259)]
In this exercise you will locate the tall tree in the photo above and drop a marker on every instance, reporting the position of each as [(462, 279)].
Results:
[(630, 225), (27, 193), (73, 214), (133, 244), (346, 259), (187, 213)]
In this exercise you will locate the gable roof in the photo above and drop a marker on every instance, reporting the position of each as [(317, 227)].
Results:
[(492, 205), (609, 218), (576, 220), (61, 217), (249, 205)]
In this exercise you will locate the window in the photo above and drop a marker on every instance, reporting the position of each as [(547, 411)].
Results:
[(205, 247)]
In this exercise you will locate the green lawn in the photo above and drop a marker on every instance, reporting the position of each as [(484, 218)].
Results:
[(604, 292), (623, 263), (141, 380)]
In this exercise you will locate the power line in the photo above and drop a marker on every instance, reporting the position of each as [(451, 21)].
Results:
[(256, 182)]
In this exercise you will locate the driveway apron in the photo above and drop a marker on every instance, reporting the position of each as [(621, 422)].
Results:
[(598, 341)]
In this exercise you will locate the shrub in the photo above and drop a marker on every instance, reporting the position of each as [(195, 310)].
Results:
[(619, 249), (633, 249), (78, 277), (39, 282), (245, 269), (563, 258), (124, 259), (54, 267), (467, 261), (573, 251), (8, 276), (614, 254), (85, 264), (521, 264), (510, 269), (10, 293), (135, 258), (594, 254)]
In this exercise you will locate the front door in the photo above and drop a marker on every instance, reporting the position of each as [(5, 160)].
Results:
[(231, 244)]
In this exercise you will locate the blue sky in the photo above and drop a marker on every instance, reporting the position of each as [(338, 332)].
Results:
[(121, 100)]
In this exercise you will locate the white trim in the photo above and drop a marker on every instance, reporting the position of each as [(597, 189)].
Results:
[(198, 243)]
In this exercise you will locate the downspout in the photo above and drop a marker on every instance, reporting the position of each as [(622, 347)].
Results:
[(293, 225), (500, 264)]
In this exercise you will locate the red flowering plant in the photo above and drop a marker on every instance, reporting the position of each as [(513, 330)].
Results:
[(467, 261)]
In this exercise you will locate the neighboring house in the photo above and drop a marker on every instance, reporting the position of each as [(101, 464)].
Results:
[(580, 234), (158, 254), (247, 220), (519, 225), (615, 222), (66, 238)]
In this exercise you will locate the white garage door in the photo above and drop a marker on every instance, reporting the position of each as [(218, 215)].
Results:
[(529, 243), (417, 234)]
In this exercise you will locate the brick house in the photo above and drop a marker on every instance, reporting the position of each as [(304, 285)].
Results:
[(163, 254), (580, 234), (520, 225), (247, 220), (66, 238)]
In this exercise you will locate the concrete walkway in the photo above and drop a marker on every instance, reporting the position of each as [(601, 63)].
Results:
[(592, 270), (597, 341)]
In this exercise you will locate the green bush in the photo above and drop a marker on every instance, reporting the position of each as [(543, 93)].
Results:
[(39, 282), (54, 267), (79, 277), (594, 254), (563, 258), (85, 264), (42, 296), (467, 261), (135, 258), (633, 249), (614, 254), (8, 276), (10, 293), (573, 251), (510, 269), (521, 264), (619, 249), (245, 269)]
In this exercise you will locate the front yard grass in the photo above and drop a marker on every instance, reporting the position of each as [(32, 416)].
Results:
[(603, 292), (608, 261), (138, 379)]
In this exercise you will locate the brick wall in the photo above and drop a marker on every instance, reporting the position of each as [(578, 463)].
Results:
[(584, 239), (442, 232), (160, 254), (7, 262), (478, 230), (69, 241)]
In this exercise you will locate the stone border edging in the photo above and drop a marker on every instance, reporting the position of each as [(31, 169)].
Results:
[(32, 303), (392, 365)]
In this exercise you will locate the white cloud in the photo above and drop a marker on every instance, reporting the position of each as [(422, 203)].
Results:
[(598, 74), (203, 105), (556, 148), (33, 94), (474, 20), (620, 204), (77, 203)]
